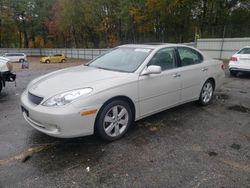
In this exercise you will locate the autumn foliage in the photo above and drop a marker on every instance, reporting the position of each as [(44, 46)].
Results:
[(101, 24)]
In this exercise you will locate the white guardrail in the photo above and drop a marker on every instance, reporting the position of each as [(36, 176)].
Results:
[(215, 48), (68, 52), (222, 48)]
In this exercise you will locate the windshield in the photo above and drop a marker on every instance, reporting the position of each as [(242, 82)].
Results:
[(122, 59)]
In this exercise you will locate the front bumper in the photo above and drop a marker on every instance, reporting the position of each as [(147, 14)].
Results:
[(62, 122)]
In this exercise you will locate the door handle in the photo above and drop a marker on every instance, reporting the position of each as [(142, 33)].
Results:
[(176, 75), (204, 69)]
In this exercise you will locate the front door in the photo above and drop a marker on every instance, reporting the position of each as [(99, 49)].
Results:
[(160, 91)]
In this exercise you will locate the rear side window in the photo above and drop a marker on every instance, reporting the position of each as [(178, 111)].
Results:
[(244, 51), (165, 58), (9, 55), (189, 56)]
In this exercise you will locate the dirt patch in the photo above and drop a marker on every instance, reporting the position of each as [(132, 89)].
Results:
[(239, 108), (212, 153), (235, 146), (222, 96)]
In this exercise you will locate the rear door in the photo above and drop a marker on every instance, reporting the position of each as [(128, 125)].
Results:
[(193, 73)]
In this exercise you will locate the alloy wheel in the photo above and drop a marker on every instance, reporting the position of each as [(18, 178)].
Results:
[(116, 121), (207, 92)]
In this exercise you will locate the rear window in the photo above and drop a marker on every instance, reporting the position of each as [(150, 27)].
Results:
[(244, 51)]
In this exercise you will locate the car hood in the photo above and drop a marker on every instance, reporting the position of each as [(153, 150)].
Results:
[(43, 58), (71, 78)]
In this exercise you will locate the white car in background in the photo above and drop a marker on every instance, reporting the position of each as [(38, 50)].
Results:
[(240, 61), (6, 74), (16, 57), (124, 85)]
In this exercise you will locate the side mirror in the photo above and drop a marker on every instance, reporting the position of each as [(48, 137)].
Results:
[(152, 69)]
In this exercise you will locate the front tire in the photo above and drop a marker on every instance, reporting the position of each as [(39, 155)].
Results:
[(63, 61), (207, 92), (47, 61), (113, 120)]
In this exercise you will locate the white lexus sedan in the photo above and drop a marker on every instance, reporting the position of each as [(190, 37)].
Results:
[(240, 61), (124, 85)]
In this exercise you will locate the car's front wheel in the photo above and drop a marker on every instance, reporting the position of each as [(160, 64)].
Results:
[(47, 61), (114, 120), (63, 61), (207, 92)]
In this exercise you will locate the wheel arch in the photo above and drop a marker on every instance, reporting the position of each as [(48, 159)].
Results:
[(122, 98), (213, 81)]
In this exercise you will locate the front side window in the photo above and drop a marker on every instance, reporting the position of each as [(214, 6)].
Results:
[(189, 56), (124, 59), (165, 58)]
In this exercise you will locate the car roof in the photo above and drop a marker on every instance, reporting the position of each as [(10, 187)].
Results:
[(153, 45)]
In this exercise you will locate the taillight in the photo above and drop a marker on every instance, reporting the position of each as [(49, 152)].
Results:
[(233, 59)]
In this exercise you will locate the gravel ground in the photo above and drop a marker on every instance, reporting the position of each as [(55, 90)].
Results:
[(187, 146)]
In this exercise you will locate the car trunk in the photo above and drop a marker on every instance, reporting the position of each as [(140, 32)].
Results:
[(244, 60)]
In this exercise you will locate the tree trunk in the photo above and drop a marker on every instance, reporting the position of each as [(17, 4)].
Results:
[(26, 39)]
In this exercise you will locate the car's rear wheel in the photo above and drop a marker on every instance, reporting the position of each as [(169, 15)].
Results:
[(233, 73), (63, 61), (1, 86), (207, 92), (47, 61), (114, 120), (21, 60)]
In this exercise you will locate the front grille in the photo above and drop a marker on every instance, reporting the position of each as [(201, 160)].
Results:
[(34, 99)]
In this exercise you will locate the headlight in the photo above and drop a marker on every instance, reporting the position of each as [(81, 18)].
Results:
[(67, 97)]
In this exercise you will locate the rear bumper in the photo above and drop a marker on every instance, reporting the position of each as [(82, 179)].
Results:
[(7, 76), (239, 69)]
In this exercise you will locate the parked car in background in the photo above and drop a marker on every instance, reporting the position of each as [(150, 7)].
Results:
[(6, 74), (16, 57), (128, 83), (57, 58), (240, 61)]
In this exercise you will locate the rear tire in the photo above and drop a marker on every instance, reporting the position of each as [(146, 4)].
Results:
[(47, 61), (21, 60), (63, 61), (207, 92), (113, 120), (233, 73), (1, 86)]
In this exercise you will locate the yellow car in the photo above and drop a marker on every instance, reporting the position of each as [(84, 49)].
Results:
[(57, 58)]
